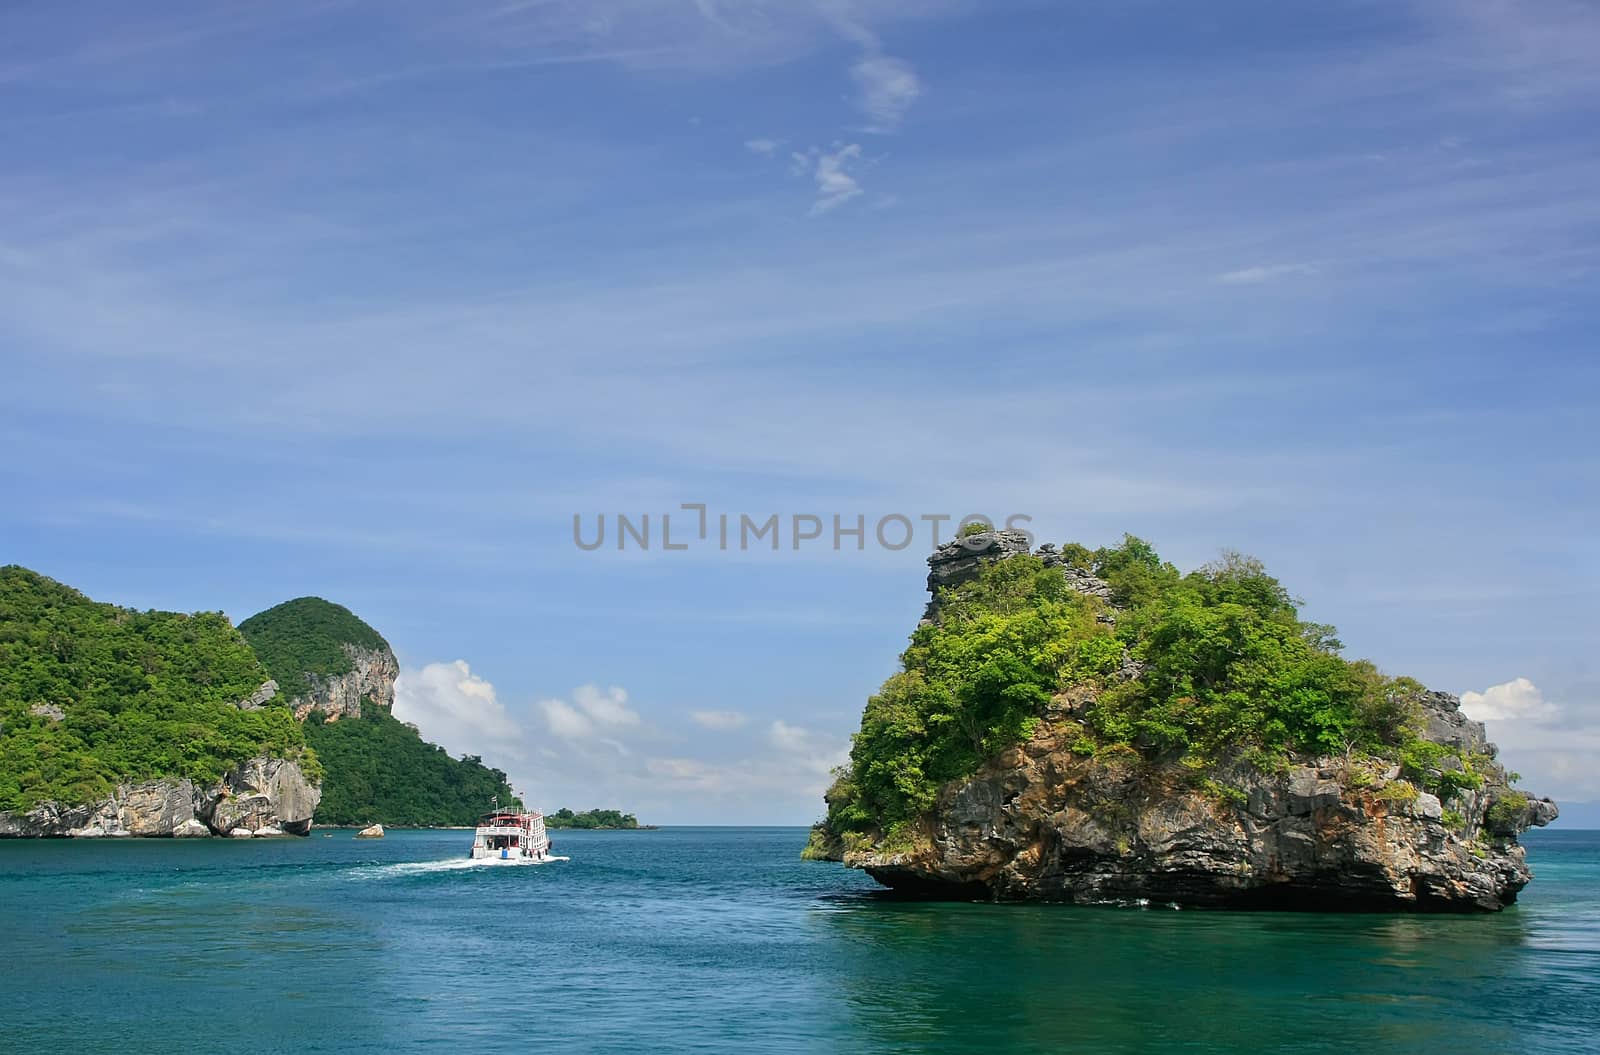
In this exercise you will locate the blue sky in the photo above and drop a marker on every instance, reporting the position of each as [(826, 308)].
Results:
[(368, 300)]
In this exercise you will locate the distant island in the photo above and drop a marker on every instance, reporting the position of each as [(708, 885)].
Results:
[(594, 819), (118, 722)]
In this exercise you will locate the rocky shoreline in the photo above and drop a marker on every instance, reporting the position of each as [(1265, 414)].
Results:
[(262, 798)]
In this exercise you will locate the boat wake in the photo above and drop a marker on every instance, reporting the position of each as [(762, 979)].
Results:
[(455, 864)]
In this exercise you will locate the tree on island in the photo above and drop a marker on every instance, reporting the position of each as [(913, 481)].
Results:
[(565, 818)]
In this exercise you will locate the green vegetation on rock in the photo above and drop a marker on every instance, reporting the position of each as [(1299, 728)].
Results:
[(379, 769), (92, 694), (565, 818), (306, 636), (1210, 665)]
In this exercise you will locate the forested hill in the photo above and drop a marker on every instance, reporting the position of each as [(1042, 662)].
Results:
[(92, 695), (308, 640), (339, 674)]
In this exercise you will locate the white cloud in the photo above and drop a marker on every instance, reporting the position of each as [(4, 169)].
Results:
[(454, 708), (787, 737), (1515, 700), (565, 720), (764, 147), (886, 87), (592, 712), (1264, 273), (835, 185), (684, 769), (815, 752), (718, 719)]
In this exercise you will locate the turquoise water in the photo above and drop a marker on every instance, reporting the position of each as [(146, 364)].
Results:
[(721, 940)]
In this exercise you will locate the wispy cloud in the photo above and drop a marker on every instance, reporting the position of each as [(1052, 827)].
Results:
[(886, 88), (718, 719), (762, 146), (835, 183), (1251, 276)]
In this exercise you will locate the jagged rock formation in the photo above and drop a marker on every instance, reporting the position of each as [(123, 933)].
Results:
[(264, 795), (371, 676), (1049, 820), (959, 561)]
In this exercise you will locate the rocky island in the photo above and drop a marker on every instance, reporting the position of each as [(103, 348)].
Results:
[(1093, 726), (117, 722)]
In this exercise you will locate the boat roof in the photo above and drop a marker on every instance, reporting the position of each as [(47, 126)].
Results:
[(513, 816)]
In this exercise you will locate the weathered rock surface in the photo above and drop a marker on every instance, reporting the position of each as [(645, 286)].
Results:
[(371, 675), (1041, 822), (262, 793), (959, 561), (374, 832), (260, 698)]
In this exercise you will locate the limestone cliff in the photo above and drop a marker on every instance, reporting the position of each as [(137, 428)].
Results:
[(371, 677), (1057, 817), (263, 796)]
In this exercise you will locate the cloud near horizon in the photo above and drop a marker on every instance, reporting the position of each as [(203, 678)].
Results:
[(593, 713), (1516, 700), (454, 708)]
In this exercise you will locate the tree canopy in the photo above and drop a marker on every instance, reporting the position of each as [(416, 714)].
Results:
[(1202, 665), (307, 636), (92, 694), (565, 818)]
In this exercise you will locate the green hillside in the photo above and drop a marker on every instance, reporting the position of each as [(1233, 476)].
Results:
[(378, 769), (92, 694), (139, 694), (305, 636)]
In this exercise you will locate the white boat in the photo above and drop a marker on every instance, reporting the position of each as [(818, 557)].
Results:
[(511, 837)]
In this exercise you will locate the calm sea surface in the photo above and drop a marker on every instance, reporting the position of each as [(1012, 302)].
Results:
[(721, 940)]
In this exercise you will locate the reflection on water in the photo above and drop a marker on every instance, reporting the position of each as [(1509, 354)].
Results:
[(721, 940)]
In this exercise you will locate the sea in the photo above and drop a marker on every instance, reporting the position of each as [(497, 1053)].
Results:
[(723, 940)]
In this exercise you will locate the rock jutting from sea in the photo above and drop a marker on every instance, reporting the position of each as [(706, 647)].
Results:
[(1062, 815)]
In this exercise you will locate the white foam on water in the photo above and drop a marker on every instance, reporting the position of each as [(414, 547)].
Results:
[(454, 864)]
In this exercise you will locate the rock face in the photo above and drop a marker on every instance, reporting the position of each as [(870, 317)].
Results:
[(262, 793), (265, 793), (957, 562), (371, 675), (260, 698), (1041, 822), (374, 832)]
